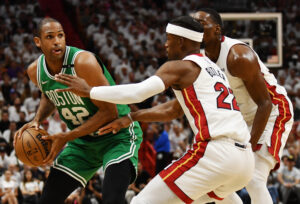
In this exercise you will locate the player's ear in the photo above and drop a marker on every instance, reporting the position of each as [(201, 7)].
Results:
[(37, 41), (218, 30), (181, 41)]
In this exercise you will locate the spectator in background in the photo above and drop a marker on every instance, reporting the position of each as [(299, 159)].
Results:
[(13, 94), (178, 139), (8, 189), (99, 36), (292, 78), (1, 104), (92, 193), (6, 86), (15, 170), (15, 110), (152, 67), (28, 54), (29, 188), (8, 51), (93, 27), (143, 177), (54, 123), (123, 74), (4, 123), (74, 197), (282, 81), (160, 98), (272, 186), (114, 57), (293, 150), (141, 73), (43, 180), (8, 135), (32, 103), (4, 159), (289, 179), (161, 146), (14, 66), (22, 120), (294, 63)]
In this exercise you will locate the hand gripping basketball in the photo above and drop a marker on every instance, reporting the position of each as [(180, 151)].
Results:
[(30, 148)]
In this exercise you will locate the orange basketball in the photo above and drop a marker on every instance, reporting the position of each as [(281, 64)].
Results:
[(31, 149)]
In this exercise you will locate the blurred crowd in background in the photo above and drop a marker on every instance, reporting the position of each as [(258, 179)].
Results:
[(129, 37)]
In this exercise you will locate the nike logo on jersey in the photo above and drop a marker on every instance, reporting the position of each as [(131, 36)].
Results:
[(44, 82)]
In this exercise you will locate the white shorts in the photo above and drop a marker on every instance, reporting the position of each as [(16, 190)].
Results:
[(217, 168)]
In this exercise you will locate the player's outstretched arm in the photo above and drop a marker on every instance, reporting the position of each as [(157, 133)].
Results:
[(242, 62), (160, 113), (46, 107), (120, 94), (169, 74)]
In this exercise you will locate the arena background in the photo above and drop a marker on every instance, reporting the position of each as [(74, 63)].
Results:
[(129, 37)]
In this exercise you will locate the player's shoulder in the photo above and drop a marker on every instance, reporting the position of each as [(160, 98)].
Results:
[(85, 58), (237, 48), (32, 66), (32, 70), (180, 66), (240, 52), (86, 65)]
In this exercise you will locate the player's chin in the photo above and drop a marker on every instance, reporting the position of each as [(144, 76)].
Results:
[(57, 56)]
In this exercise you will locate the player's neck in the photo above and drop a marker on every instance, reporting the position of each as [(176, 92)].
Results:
[(212, 50), (190, 52), (54, 66)]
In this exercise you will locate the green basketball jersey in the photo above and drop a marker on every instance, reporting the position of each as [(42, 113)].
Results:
[(74, 110)]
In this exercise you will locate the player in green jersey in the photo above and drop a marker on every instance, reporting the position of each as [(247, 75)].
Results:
[(86, 151)]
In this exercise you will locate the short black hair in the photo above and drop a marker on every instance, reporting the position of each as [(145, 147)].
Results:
[(43, 22), (215, 16), (291, 158), (187, 22)]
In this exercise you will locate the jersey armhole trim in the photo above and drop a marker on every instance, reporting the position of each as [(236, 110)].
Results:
[(38, 75), (73, 60)]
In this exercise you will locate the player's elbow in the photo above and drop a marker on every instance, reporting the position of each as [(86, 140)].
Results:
[(269, 105), (173, 114), (111, 112), (266, 105), (177, 114)]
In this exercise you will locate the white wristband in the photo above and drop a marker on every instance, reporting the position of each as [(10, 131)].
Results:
[(129, 116)]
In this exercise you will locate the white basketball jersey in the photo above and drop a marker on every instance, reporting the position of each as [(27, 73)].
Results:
[(247, 105), (210, 106)]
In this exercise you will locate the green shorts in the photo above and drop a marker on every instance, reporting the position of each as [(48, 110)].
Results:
[(83, 157)]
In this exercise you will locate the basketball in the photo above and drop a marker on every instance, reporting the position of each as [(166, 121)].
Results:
[(31, 149)]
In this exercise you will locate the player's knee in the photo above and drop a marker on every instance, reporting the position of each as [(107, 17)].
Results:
[(256, 186)]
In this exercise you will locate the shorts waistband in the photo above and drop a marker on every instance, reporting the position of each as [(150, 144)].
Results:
[(234, 142)]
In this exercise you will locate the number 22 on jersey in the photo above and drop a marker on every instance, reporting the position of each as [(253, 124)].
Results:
[(224, 93)]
